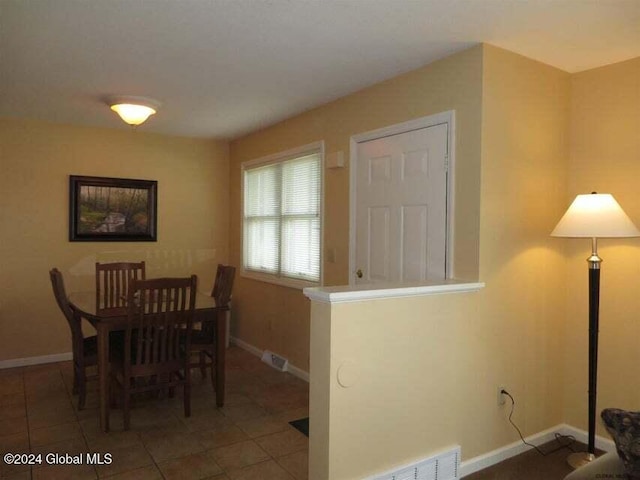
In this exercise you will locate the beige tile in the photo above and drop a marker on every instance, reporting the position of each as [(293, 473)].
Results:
[(166, 427), (106, 442), (64, 472), (56, 390), (12, 411), (11, 385), (213, 443), (295, 414), (87, 412), (297, 464), (206, 420), (262, 471), (284, 443), (220, 437), (239, 455), (259, 427), (51, 418), (124, 459), (145, 473), (12, 398), (57, 433), (72, 446), (17, 442), (13, 469), (243, 412), (192, 467), (26, 475), (39, 407), (283, 397), (156, 421), (12, 426), (231, 399), (172, 446)]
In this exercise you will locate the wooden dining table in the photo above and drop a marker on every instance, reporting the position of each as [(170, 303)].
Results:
[(106, 320)]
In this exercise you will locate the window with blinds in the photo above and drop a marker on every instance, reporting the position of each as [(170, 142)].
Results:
[(282, 221)]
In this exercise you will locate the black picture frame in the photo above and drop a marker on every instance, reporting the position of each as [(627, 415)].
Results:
[(103, 209)]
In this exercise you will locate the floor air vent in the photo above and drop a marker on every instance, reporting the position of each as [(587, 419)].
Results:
[(276, 361), (443, 466)]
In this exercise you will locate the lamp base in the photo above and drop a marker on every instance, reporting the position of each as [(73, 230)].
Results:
[(578, 459)]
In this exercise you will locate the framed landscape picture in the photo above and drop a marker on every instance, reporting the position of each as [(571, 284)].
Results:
[(112, 209)]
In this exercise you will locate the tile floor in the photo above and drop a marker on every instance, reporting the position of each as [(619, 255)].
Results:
[(249, 438)]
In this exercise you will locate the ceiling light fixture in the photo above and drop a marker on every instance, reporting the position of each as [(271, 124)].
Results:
[(133, 110)]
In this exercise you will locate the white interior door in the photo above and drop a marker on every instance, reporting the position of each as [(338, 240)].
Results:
[(401, 206)]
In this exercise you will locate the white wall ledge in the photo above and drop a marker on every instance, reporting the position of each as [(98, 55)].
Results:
[(359, 293)]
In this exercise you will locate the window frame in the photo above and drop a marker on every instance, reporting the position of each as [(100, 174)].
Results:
[(280, 157)]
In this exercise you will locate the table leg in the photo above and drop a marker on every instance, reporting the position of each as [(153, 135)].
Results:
[(103, 374), (221, 330)]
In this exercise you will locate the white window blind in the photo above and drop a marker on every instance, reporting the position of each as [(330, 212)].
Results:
[(281, 224)]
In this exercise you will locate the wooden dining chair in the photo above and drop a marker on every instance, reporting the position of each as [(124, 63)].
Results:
[(112, 282), (157, 340), (84, 349), (203, 341)]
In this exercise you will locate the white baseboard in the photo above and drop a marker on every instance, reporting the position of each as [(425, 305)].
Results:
[(292, 369), (23, 362), (602, 443), (496, 456)]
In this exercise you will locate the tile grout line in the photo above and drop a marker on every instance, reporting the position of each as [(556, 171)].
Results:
[(254, 398)]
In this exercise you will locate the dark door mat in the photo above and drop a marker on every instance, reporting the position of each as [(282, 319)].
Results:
[(302, 425)]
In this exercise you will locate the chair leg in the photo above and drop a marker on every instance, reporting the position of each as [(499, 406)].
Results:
[(81, 388), (74, 391), (126, 403), (213, 373), (172, 390), (109, 403), (187, 394), (203, 364), (82, 399)]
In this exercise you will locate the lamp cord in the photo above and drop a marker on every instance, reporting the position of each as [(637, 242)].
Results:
[(559, 437)]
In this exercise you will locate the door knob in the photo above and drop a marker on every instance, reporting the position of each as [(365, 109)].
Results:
[(359, 273)]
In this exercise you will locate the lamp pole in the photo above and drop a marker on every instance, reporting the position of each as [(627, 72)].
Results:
[(594, 307), (593, 216)]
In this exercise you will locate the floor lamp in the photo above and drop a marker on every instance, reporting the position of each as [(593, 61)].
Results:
[(593, 216)]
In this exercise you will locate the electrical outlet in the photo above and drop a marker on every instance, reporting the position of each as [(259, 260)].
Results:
[(502, 398)]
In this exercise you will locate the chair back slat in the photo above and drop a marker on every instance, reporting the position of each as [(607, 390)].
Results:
[(113, 280), (160, 311), (223, 285)]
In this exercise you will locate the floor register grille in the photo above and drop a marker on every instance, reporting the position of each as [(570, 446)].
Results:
[(442, 466)]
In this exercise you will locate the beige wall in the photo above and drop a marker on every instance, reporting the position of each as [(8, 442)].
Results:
[(428, 368), (529, 139), (36, 160), (277, 318), (605, 157)]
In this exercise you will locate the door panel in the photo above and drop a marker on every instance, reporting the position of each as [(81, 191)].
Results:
[(379, 233), (414, 239), (401, 199)]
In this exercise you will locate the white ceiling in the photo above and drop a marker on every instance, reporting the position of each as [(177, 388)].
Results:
[(223, 68)]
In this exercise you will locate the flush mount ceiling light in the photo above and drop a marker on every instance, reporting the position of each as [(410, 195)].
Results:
[(133, 110)]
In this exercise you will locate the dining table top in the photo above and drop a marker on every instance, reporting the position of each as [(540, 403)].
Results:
[(86, 302)]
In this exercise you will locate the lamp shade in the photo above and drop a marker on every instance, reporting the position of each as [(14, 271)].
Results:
[(133, 110), (595, 215)]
